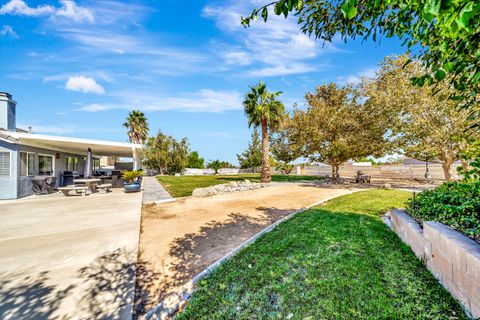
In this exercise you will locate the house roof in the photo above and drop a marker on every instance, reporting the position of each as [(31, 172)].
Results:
[(72, 145)]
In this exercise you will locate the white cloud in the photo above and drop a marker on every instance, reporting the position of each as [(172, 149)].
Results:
[(356, 78), (7, 31), (296, 68), (278, 45), (68, 9), (19, 7), (94, 107), (237, 57), (84, 84), (203, 100)]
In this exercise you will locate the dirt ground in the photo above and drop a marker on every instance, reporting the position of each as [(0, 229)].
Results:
[(179, 239)]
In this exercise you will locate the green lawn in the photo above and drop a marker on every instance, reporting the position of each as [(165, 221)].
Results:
[(337, 261), (184, 185)]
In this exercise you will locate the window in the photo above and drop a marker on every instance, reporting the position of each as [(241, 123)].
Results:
[(27, 164), (96, 164), (71, 163), (45, 165), (4, 163)]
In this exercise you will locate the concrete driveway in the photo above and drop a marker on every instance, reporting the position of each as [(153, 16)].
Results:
[(69, 257)]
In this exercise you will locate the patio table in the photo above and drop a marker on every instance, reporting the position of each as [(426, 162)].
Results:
[(89, 183)]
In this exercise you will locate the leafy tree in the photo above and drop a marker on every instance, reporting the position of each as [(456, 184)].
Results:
[(264, 110), (252, 156), (471, 156), (445, 34), (284, 151), (165, 154), (427, 126), (284, 167), (226, 164), (335, 127), (137, 124), (194, 160), (215, 165)]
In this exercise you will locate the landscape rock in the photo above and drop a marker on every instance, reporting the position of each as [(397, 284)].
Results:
[(233, 186)]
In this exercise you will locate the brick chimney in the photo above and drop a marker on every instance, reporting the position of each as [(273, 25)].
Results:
[(7, 112)]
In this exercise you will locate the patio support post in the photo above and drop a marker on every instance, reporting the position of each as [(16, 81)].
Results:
[(136, 159), (88, 164)]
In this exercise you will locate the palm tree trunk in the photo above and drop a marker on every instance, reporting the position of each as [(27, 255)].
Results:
[(265, 177)]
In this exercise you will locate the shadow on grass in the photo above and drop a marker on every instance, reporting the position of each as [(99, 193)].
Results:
[(194, 252)]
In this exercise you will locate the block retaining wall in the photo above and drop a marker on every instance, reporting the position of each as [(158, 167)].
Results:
[(453, 258)]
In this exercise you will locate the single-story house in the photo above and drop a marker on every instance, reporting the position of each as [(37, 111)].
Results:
[(24, 154)]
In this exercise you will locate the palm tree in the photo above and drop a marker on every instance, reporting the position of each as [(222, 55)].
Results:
[(263, 110), (215, 165), (137, 124)]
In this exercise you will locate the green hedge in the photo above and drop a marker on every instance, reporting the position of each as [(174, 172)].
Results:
[(456, 204)]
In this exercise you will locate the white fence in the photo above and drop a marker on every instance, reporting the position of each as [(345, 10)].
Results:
[(414, 171), (349, 170), (224, 171)]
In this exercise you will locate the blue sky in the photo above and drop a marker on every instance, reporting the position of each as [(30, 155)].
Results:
[(76, 68)]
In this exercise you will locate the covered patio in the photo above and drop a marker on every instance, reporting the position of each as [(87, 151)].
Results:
[(34, 156)]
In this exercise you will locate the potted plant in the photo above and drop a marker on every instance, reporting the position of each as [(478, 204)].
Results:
[(133, 182)]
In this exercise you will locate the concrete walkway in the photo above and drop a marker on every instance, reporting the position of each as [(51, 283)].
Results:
[(153, 191), (69, 257)]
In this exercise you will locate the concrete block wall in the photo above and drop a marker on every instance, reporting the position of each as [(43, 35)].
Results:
[(412, 171), (453, 258)]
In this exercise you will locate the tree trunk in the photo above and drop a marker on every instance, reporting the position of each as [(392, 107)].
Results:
[(464, 165), (265, 177), (337, 172), (446, 170)]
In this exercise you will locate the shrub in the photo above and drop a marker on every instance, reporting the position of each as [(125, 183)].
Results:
[(131, 175), (456, 204)]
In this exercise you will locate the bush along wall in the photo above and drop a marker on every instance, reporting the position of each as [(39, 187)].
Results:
[(456, 204)]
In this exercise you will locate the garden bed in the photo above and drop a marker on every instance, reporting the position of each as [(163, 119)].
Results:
[(456, 204)]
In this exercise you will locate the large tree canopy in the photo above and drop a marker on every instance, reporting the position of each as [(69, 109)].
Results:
[(165, 154), (445, 35), (334, 128), (194, 160), (426, 126)]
